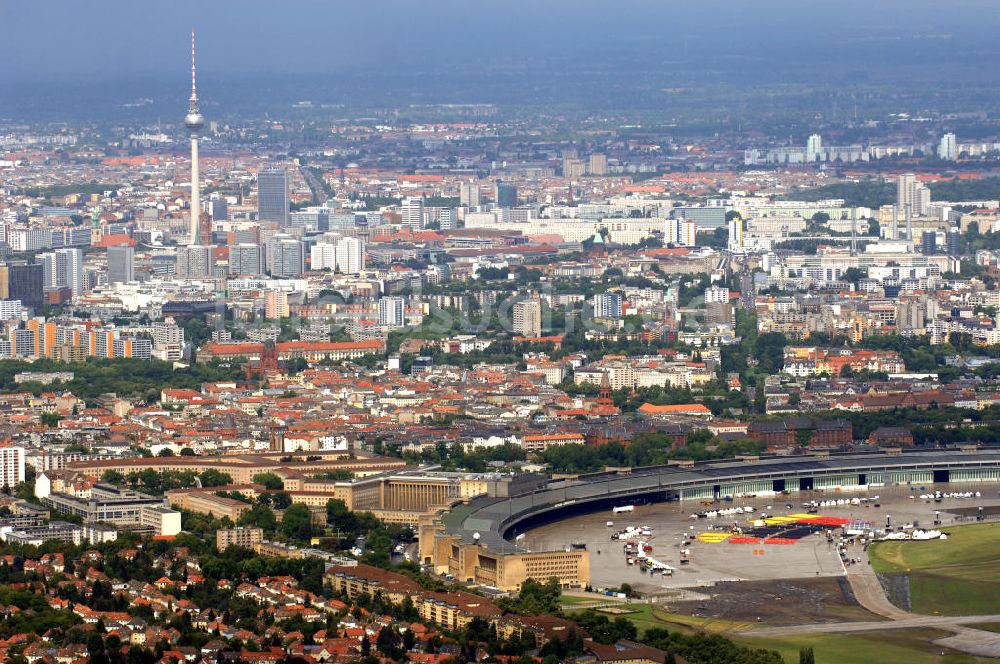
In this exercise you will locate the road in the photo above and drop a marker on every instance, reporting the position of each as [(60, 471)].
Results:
[(320, 191)]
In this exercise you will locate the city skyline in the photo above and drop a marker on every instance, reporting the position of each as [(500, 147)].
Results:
[(475, 332)]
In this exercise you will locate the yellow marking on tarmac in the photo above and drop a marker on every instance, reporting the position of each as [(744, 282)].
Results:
[(713, 537)]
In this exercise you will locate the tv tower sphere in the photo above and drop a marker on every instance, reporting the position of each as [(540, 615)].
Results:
[(194, 120)]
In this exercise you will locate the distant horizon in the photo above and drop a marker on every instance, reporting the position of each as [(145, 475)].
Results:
[(113, 38), (67, 60)]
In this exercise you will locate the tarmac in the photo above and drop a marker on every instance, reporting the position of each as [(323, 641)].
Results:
[(711, 563), (812, 556)]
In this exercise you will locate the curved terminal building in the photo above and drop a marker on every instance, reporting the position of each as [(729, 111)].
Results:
[(472, 541)]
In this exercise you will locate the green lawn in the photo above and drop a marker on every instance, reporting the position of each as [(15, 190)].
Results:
[(957, 576), (986, 626), (905, 646), (645, 616), (571, 602), (888, 647)]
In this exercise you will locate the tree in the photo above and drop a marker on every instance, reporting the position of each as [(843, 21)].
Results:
[(259, 516), (112, 477), (806, 656), (389, 643), (213, 477), (50, 419), (341, 518), (270, 481), (281, 500), (854, 275), (296, 523)]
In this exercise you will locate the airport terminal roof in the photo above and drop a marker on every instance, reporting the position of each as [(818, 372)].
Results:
[(492, 518)]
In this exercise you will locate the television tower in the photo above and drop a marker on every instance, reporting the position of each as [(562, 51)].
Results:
[(194, 121)]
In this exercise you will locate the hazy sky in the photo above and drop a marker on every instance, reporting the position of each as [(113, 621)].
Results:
[(72, 58), (92, 38)]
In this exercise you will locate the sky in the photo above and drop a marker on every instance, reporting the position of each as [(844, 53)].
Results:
[(53, 38), (135, 48)]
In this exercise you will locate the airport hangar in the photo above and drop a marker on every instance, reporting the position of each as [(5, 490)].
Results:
[(470, 542)]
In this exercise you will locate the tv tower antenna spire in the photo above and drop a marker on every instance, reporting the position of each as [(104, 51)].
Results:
[(194, 121)]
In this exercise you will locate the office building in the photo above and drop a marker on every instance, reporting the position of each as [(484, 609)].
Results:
[(948, 148), (468, 194), (954, 240), (412, 212), (607, 305), (23, 282), (704, 217), (195, 261), (61, 531), (246, 260), (122, 508), (527, 318), (272, 195), (218, 207), (392, 312), (285, 256), (928, 243), (11, 466), (506, 195), (121, 264)]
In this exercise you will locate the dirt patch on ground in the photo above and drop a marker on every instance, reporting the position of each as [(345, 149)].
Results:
[(988, 510), (783, 602)]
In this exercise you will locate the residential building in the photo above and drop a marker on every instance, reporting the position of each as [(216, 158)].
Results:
[(412, 212), (276, 305), (607, 305), (598, 164), (527, 318), (392, 312), (323, 256), (63, 268), (468, 194), (350, 255), (11, 465), (242, 537), (948, 148)]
